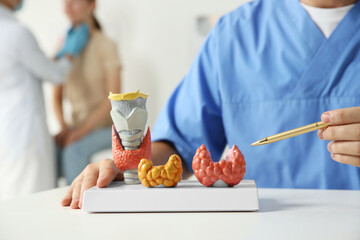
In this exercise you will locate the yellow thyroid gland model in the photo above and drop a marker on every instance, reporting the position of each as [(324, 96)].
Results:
[(169, 174)]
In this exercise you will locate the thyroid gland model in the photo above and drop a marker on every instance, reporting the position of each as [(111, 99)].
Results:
[(129, 145), (231, 170), (169, 174)]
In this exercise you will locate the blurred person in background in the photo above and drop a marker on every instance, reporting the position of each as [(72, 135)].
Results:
[(95, 72), (27, 161)]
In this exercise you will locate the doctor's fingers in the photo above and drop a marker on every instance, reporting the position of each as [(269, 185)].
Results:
[(67, 198), (346, 159), (76, 195), (342, 116), (100, 173), (91, 174), (66, 201), (349, 132), (345, 147), (108, 173)]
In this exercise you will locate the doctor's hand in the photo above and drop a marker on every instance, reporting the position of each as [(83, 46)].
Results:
[(99, 174), (76, 40), (344, 134)]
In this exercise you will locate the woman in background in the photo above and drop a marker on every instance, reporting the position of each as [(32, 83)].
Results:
[(95, 72)]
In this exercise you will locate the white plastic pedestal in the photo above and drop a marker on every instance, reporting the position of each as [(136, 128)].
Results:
[(187, 196)]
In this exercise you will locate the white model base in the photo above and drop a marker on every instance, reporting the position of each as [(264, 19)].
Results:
[(187, 196)]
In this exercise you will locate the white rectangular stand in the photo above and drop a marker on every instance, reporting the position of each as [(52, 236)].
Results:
[(187, 196)]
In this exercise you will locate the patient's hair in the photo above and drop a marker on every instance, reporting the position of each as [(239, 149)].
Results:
[(96, 22)]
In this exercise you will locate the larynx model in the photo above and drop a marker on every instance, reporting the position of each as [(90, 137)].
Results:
[(129, 116)]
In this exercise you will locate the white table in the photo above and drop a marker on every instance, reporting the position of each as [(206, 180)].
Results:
[(284, 214)]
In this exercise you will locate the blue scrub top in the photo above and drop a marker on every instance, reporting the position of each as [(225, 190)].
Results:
[(267, 68)]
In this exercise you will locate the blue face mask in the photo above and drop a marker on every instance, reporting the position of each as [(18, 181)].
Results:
[(18, 6)]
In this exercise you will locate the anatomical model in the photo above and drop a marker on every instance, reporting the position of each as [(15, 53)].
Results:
[(132, 151), (231, 170), (129, 116), (169, 174)]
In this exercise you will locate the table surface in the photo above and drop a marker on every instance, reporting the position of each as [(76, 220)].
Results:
[(284, 214)]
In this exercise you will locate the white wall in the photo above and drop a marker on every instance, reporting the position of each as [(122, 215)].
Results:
[(156, 38)]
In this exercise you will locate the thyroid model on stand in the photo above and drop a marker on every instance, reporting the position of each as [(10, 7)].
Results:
[(132, 150), (129, 116)]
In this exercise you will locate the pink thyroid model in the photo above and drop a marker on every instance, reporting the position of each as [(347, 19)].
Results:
[(168, 174), (130, 159), (231, 171)]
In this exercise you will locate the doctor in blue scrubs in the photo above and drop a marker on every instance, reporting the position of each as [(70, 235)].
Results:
[(266, 67)]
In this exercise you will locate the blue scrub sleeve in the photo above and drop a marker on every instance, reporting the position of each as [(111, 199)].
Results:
[(192, 115)]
